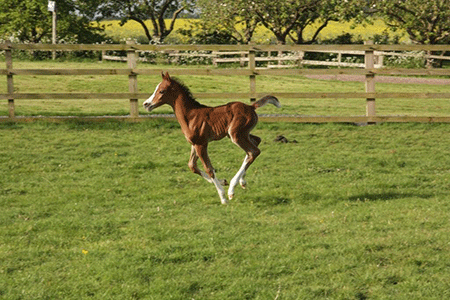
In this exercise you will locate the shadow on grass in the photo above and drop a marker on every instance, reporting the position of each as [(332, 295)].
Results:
[(282, 200), (387, 196), (271, 201), (274, 200)]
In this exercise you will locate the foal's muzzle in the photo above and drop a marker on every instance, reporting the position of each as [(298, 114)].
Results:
[(149, 106)]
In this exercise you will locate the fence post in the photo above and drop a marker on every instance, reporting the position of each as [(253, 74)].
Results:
[(102, 52), (242, 60), (369, 59), (339, 59), (252, 67), (301, 55), (9, 80), (132, 79)]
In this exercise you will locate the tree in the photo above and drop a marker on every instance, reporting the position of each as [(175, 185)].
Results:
[(230, 17), (281, 17), (321, 13), (291, 18), (426, 22), (29, 21), (141, 10), (286, 19)]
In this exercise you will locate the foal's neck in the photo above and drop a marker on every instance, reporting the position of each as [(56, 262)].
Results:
[(183, 106), (185, 102)]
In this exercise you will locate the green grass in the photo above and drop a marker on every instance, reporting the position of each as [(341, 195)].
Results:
[(111, 211), (214, 84)]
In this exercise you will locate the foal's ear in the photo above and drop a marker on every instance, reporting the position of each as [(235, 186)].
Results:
[(165, 77)]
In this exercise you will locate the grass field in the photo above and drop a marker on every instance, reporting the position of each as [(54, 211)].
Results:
[(111, 211), (213, 84)]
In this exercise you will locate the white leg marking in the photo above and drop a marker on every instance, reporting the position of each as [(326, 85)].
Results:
[(243, 182), (239, 177), (220, 190), (206, 176)]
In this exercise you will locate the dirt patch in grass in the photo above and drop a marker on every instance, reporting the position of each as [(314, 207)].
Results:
[(383, 79)]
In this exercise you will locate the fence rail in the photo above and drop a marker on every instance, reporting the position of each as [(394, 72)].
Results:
[(295, 59), (370, 71)]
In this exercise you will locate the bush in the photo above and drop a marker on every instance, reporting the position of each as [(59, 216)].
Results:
[(416, 60)]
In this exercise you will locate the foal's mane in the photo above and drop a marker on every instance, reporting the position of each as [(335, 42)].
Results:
[(187, 92)]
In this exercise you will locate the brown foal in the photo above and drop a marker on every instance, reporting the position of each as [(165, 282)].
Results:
[(201, 124)]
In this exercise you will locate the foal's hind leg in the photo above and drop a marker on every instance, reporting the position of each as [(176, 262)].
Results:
[(256, 140), (249, 145)]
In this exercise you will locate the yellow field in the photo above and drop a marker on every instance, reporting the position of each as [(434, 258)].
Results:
[(133, 29), (366, 32)]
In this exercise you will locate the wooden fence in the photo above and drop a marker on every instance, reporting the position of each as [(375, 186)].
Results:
[(288, 59), (251, 72)]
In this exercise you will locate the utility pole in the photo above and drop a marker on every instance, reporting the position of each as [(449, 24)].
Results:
[(52, 8)]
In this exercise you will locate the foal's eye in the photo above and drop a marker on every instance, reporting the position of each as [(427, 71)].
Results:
[(162, 91)]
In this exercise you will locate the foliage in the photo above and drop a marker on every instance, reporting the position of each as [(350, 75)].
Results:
[(140, 11), (426, 22), (189, 31), (225, 21), (28, 21), (197, 33), (414, 60), (228, 17), (111, 211), (282, 17), (285, 19), (319, 16)]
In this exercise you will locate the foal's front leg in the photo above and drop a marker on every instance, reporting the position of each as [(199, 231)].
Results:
[(193, 165), (201, 151)]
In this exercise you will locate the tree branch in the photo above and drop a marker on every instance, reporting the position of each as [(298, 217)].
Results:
[(147, 32), (316, 34), (174, 17)]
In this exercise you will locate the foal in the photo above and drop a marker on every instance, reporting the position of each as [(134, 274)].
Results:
[(201, 124)]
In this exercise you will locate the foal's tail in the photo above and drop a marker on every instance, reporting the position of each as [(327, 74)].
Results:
[(265, 100)]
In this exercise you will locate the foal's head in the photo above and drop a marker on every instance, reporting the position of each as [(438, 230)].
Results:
[(165, 93)]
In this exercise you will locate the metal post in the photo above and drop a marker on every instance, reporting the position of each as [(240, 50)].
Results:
[(52, 8)]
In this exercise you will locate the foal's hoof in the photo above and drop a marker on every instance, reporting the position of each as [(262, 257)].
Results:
[(243, 184), (223, 182), (230, 196)]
